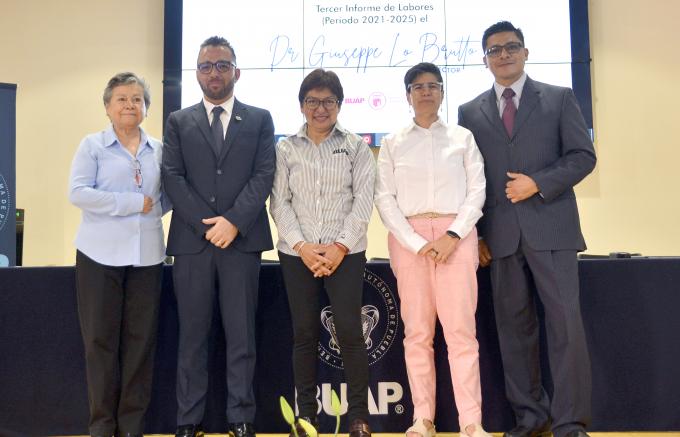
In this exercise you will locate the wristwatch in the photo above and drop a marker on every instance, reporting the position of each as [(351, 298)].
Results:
[(452, 234)]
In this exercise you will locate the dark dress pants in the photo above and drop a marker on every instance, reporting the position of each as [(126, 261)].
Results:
[(345, 290), (229, 279), (118, 312), (554, 276)]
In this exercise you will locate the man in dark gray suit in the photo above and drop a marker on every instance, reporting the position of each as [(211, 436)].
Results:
[(218, 170), (536, 147)]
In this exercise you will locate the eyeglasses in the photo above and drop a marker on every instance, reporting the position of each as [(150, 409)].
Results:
[(510, 48), (433, 87), (329, 103), (137, 168), (222, 66)]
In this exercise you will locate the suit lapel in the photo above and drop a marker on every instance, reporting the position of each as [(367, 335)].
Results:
[(238, 117), (530, 97), (489, 107), (201, 118)]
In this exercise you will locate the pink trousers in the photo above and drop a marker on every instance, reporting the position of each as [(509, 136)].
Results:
[(448, 291)]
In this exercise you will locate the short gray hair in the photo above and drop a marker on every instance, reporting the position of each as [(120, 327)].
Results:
[(126, 78)]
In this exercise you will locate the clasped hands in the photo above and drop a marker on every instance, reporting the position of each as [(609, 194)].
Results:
[(221, 233), (440, 249), (320, 259)]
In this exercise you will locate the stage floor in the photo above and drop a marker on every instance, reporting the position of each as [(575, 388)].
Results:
[(452, 434)]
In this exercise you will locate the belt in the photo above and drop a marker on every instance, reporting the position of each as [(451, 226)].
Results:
[(430, 215)]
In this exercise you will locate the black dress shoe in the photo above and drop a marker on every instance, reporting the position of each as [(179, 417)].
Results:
[(189, 431), (523, 431), (359, 428), (577, 433), (130, 434), (242, 429), (301, 431)]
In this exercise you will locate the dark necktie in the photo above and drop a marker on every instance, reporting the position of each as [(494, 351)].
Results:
[(216, 128), (509, 111)]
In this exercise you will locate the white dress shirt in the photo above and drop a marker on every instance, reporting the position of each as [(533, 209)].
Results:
[(420, 170), (225, 116), (517, 87)]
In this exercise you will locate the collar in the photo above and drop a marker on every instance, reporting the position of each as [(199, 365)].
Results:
[(436, 123), (517, 87), (110, 138), (337, 130), (228, 106)]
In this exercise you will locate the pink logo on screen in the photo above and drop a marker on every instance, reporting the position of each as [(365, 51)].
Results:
[(377, 100)]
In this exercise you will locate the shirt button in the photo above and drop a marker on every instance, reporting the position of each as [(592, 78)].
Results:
[(219, 171), (212, 199)]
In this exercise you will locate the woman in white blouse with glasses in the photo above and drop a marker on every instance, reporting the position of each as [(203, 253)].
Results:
[(430, 192)]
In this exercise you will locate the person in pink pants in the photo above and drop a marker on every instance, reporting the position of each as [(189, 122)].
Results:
[(430, 191)]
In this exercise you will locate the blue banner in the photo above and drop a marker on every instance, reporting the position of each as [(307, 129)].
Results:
[(7, 174)]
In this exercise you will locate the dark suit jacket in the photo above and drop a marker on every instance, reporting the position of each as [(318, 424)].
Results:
[(235, 184), (551, 144)]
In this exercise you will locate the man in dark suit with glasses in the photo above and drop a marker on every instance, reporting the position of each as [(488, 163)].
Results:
[(536, 147), (218, 170)]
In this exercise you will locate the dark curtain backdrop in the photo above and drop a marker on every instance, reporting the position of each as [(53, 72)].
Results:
[(630, 310)]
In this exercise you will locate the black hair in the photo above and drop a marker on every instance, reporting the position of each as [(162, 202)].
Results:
[(218, 41), (501, 26), (321, 78), (417, 70)]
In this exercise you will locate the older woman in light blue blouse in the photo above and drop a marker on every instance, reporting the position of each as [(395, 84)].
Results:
[(115, 181)]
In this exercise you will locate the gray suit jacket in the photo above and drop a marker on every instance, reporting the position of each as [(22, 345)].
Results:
[(234, 184), (550, 143)]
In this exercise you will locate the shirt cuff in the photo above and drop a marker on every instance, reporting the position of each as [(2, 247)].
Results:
[(129, 203), (415, 242), (293, 237), (459, 230), (348, 240)]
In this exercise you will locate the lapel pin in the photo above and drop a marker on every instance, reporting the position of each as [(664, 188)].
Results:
[(237, 117)]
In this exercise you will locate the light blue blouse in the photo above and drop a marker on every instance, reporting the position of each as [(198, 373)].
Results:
[(104, 185)]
